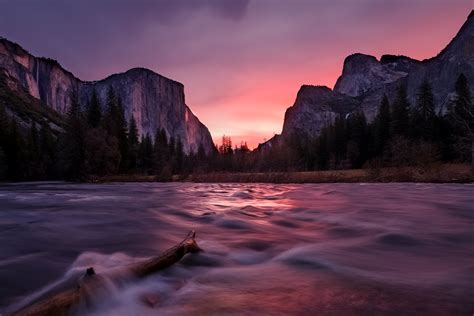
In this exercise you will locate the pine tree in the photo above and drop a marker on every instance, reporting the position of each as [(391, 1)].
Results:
[(102, 156), (111, 112), (357, 134), (179, 157), (74, 106), (323, 150), (15, 153), (463, 102), (3, 165), (4, 125), (340, 139), (226, 147), (115, 125), (141, 154), (371, 131), (48, 151), (4, 128), (425, 101), (424, 117), (122, 134), (382, 127), (226, 152), (73, 142), (33, 147), (201, 157), (148, 153), (94, 113), (133, 144), (400, 114), (462, 118), (160, 151), (145, 154), (171, 147)]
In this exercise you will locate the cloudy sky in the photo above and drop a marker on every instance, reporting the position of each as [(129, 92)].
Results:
[(241, 61)]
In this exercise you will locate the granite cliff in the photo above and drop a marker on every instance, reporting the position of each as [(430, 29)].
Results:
[(365, 79), (153, 100)]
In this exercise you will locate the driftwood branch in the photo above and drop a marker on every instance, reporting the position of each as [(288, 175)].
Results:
[(91, 283)]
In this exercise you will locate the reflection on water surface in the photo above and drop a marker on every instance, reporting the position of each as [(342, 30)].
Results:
[(269, 249)]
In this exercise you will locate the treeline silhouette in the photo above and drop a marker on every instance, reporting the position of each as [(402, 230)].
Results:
[(401, 135), (94, 143), (98, 143)]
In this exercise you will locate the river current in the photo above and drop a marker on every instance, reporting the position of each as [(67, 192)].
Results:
[(306, 249)]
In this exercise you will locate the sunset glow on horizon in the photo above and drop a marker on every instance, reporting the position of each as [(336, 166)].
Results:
[(241, 62)]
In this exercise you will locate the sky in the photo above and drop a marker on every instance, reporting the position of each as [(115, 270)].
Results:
[(241, 61)]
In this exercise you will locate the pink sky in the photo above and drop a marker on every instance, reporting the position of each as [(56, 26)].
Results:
[(246, 98), (254, 107), (241, 61)]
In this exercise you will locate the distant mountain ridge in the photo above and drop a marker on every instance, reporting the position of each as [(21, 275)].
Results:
[(365, 79), (153, 100)]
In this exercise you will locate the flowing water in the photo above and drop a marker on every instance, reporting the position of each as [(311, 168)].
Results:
[(329, 249)]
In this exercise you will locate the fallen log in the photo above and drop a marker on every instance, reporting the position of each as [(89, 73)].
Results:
[(62, 303)]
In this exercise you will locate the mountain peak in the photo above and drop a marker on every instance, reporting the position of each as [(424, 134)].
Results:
[(313, 89), (310, 92), (137, 72), (153, 100), (358, 63), (365, 80), (388, 59), (359, 58), (362, 73), (462, 42)]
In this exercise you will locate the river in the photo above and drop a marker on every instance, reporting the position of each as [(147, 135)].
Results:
[(306, 249)]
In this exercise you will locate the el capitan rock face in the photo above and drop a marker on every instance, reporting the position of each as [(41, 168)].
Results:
[(365, 80), (153, 100)]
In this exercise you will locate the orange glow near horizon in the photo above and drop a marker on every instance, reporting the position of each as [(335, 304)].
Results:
[(256, 113), (242, 62), (253, 110)]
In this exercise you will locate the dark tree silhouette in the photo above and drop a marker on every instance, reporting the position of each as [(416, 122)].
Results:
[(400, 113), (423, 115), (462, 118), (94, 112), (72, 146), (133, 144), (382, 127)]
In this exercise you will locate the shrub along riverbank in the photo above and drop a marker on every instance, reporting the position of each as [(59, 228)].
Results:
[(438, 173)]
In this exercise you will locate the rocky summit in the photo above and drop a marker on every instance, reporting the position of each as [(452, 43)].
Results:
[(153, 100), (365, 79)]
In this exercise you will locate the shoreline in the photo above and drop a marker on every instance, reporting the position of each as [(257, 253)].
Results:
[(443, 173)]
